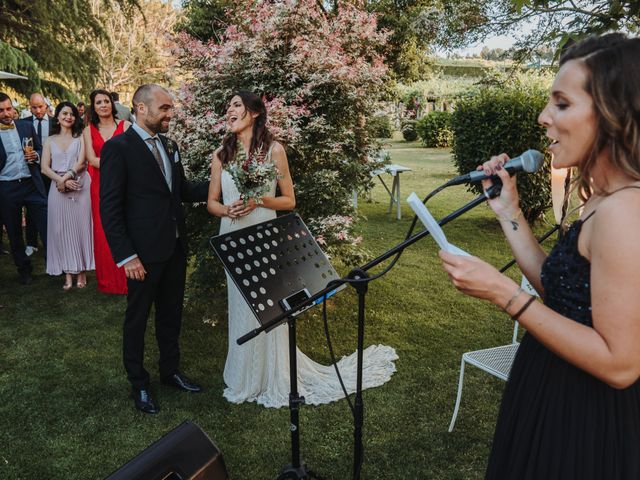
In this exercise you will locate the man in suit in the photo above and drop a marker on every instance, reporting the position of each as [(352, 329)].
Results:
[(41, 121), (142, 187), (81, 111), (20, 184), (123, 112)]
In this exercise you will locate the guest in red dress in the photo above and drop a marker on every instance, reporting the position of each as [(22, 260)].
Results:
[(103, 124)]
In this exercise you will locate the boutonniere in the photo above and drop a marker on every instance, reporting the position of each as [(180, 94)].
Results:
[(171, 147)]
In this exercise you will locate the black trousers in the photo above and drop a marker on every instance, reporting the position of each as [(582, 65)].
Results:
[(14, 195), (31, 227), (162, 287)]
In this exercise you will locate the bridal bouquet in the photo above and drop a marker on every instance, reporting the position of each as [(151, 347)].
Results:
[(252, 174)]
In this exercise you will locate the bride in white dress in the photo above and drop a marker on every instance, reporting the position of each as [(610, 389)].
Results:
[(259, 370)]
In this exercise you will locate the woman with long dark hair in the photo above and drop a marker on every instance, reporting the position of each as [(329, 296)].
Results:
[(103, 124), (571, 407), (70, 238), (259, 370)]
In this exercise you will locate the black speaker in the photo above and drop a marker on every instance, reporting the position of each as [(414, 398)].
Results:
[(185, 453)]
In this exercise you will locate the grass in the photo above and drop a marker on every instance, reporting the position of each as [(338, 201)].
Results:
[(64, 411)]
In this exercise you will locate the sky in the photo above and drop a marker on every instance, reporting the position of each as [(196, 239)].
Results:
[(499, 41)]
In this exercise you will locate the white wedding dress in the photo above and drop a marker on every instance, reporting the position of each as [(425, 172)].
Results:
[(258, 371)]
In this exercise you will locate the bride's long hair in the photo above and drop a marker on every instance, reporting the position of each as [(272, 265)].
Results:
[(261, 137)]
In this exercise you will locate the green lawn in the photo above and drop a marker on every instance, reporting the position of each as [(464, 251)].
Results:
[(64, 411)]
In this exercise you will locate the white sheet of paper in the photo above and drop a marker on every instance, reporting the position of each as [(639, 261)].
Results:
[(430, 223)]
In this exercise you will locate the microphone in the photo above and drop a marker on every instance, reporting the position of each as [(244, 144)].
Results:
[(530, 161)]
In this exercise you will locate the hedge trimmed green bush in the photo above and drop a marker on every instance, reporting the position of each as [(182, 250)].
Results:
[(379, 126), (503, 118), (409, 132), (435, 129)]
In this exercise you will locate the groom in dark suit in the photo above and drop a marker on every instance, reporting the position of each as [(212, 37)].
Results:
[(20, 184), (142, 187)]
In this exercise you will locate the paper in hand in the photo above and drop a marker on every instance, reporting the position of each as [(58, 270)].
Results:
[(430, 223)]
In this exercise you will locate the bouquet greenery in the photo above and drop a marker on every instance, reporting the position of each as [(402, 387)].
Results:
[(252, 174)]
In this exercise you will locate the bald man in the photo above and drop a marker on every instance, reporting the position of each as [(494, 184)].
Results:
[(142, 187), (41, 121), (39, 117)]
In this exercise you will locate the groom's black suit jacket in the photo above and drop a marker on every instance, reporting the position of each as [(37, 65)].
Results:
[(140, 215)]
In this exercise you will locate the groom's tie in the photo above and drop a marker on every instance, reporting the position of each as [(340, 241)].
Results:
[(156, 153)]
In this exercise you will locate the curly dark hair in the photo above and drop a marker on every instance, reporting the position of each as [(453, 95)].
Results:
[(93, 115), (78, 124), (261, 138)]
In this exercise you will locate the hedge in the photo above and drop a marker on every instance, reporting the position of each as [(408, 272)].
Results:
[(503, 118), (409, 132), (435, 129), (379, 126)]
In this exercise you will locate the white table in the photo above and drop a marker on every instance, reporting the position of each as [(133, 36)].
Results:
[(394, 194)]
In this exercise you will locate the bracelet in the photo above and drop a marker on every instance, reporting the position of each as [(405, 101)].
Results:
[(511, 300), (513, 220), (524, 307), (74, 175)]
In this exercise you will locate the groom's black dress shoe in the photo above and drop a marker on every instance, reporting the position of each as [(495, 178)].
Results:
[(183, 383), (143, 401)]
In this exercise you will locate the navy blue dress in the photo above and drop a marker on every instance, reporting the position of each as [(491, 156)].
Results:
[(557, 421)]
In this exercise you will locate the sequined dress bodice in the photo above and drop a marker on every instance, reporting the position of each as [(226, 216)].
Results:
[(566, 278)]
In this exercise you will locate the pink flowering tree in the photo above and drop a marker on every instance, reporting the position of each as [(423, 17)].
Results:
[(320, 75)]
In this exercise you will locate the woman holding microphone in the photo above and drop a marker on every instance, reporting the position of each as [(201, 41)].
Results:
[(571, 407)]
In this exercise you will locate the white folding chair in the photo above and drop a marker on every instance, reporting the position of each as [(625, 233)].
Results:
[(496, 361)]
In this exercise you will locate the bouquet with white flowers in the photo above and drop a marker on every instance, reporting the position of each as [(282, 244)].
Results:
[(252, 174)]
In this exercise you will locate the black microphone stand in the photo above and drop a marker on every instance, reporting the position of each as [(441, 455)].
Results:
[(355, 279), (359, 279)]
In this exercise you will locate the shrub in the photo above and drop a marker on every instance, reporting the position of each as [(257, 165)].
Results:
[(435, 129), (325, 194), (334, 235), (320, 76), (438, 87), (503, 118), (379, 126), (409, 132)]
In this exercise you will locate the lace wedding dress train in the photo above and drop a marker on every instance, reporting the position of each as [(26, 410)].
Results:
[(258, 371)]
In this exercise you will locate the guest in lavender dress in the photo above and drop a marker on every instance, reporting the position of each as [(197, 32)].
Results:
[(70, 245)]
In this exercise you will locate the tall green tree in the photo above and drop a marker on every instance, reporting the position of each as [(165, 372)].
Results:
[(135, 48), (206, 19), (575, 19), (46, 41), (418, 26), (415, 26), (552, 23)]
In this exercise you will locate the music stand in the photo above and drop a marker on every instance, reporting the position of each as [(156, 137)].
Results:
[(277, 265)]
